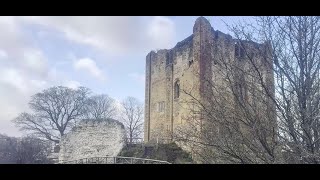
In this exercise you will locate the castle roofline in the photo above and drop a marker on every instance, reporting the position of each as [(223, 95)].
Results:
[(178, 45), (201, 22)]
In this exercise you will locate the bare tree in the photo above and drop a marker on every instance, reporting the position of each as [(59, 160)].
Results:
[(292, 45), (8, 149), (132, 117), (32, 150), (100, 107), (55, 111), (26, 150), (295, 43), (232, 119)]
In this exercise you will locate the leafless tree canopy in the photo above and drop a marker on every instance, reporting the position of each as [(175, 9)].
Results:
[(295, 49), (295, 43), (233, 122), (32, 150), (132, 117), (100, 107), (246, 133), (55, 111), (26, 150), (8, 150)]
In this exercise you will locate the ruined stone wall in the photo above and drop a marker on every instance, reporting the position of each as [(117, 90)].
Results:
[(92, 138)]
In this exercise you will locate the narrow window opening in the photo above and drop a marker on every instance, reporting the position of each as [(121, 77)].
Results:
[(190, 62), (177, 89)]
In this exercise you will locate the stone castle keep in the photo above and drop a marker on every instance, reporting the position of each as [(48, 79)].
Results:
[(185, 67)]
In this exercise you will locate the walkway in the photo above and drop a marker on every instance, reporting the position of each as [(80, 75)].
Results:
[(115, 160)]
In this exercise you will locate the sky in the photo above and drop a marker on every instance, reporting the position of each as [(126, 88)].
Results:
[(105, 54)]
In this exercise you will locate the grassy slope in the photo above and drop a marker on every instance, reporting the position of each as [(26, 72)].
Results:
[(165, 152)]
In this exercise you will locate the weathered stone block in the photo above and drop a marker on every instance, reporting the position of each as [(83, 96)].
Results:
[(93, 138)]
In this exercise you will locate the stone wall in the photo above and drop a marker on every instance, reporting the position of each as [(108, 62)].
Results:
[(92, 138), (164, 68), (199, 64)]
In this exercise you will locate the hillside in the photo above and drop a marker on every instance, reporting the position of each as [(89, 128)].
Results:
[(165, 152)]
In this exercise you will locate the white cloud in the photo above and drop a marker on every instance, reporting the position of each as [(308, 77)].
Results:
[(35, 61), (19, 52), (161, 31), (22, 74), (89, 65), (21, 82), (3, 54), (14, 78), (119, 109), (138, 77), (11, 40), (113, 34), (72, 84), (39, 84), (25, 70), (16, 88)]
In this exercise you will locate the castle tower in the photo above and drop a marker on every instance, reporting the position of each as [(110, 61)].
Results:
[(190, 68), (168, 72)]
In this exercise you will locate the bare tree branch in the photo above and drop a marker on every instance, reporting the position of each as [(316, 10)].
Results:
[(100, 107), (132, 117), (55, 111)]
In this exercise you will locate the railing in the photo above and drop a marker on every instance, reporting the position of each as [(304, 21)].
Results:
[(134, 141), (121, 159), (115, 160), (163, 140)]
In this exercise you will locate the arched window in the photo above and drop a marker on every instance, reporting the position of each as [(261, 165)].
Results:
[(177, 89)]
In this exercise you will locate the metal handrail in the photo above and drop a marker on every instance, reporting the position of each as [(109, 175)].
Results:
[(134, 140), (155, 160), (115, 160)]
